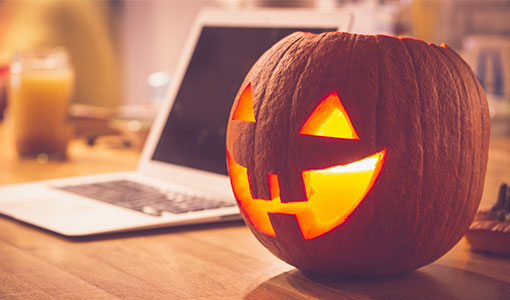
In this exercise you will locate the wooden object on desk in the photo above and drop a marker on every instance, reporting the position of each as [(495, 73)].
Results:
[(221, 261)]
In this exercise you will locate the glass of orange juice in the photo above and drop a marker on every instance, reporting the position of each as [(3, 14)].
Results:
[(41, 85)]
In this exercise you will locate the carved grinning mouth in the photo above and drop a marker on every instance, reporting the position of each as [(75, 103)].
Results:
[(333, 194)]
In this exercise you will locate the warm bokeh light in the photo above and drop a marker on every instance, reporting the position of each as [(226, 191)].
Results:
[(333, 194), (329, 119), (244, 109)]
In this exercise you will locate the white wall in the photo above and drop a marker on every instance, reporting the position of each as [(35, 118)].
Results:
[(154, 32)]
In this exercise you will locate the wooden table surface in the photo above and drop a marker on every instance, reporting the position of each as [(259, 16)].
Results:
[(209, 261)]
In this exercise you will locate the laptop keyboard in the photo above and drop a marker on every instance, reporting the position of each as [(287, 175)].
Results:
[(144, 198)]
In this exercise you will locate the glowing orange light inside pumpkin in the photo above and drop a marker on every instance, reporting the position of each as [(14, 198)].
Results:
[(329, 119), (333, 194), (244, 109)]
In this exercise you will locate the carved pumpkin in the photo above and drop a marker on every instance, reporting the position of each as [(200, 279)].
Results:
[(358, 155)]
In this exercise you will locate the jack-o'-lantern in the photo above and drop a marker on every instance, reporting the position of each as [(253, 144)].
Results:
[(358, 155)]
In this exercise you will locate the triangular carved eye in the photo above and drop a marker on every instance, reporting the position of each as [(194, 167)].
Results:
[(244, 109), (329, 119)]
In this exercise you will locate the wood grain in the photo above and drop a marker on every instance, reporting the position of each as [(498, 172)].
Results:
[(216, 261)]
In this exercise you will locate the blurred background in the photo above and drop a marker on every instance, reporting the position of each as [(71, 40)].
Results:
[(124, 52)]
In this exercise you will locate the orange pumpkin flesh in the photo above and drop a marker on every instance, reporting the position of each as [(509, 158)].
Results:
[(360, 155), (244, 109), (329, 119), (318, 215)]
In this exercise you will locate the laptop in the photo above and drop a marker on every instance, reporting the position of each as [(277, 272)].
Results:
[(181, 177)]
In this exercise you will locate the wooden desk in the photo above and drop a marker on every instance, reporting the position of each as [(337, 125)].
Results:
[(211, 261)]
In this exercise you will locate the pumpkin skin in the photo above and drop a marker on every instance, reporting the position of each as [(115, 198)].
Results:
[(419, 103)]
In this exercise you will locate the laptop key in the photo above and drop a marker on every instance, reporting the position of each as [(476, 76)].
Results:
[(144, 198)]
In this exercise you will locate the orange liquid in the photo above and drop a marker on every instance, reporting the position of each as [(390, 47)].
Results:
[(38, 107)]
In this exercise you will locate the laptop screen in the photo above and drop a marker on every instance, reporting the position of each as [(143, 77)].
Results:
[(194, 133)]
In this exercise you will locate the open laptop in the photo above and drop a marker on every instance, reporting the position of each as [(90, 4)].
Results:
[(181, 177)]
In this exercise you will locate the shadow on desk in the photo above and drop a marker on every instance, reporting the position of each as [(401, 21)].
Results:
[(430, 282)]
